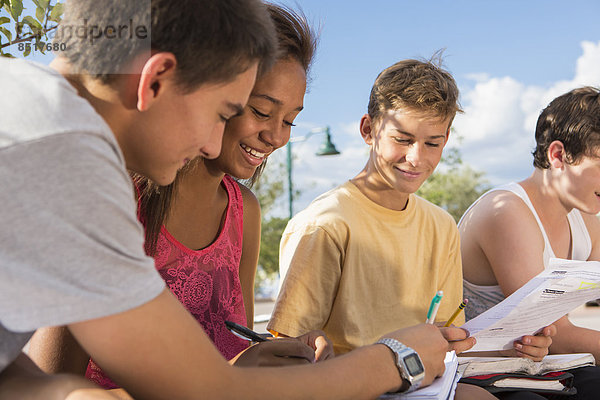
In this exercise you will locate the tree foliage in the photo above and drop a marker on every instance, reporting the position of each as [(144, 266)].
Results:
[(271, 231), (22, 32), (269, 190), (454, 186)]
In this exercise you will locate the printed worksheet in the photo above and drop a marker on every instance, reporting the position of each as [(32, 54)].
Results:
[(559, 289)]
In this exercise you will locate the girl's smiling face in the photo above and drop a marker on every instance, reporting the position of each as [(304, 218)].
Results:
[(265, 125)]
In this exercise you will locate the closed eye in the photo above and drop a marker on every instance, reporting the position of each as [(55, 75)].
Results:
[(403, 141), (259, 114), (288, 123)]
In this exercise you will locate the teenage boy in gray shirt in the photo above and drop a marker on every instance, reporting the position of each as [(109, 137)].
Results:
[(145, 87)]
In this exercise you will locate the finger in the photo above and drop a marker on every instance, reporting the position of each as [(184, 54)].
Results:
[(550, 330), (536, 341), (535, 353), (452, 334), (323, 349), (290, 348), (461, 345), (286, 361)]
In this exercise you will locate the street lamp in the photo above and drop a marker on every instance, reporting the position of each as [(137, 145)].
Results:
[(327, 148)]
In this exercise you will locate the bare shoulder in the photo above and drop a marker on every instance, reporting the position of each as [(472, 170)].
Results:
[(498, 210), (251, 204)]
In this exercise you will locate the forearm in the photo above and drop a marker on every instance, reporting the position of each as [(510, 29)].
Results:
[(364, 373), (147, 358), (575, 339)]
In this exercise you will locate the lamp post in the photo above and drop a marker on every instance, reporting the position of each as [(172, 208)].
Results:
[(327, 148)]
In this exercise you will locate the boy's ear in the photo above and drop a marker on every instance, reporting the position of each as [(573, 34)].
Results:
[(447, 136), (157, 72), (556, 154), (366, 129)]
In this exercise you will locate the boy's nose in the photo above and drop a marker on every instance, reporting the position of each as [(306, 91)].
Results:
[(212, 149), (413, 156)]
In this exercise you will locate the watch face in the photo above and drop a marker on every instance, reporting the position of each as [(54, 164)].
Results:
[(413, 364)]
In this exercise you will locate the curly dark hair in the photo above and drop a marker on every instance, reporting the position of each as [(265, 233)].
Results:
[(574, 120)]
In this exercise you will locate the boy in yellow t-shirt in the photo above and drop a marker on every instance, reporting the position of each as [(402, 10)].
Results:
[(369, 255)]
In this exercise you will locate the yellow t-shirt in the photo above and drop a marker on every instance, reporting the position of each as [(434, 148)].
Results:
[(358, 270)]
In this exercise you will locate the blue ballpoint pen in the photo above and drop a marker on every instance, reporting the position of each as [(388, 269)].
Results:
[(433, 307)]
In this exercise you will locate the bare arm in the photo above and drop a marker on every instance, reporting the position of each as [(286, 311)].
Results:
[(22, 379), (502, 235), (55, 350), (575, 339), (146, 358), (250, 251), (502, 244)]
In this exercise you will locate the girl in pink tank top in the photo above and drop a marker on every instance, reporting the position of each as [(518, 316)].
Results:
[(205, 281), (204, 229)]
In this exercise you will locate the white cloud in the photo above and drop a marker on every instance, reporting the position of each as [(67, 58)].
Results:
[(587, 65), (500, 116)]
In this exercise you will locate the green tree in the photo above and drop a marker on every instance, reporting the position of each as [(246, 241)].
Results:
[(455, 186), (271, 231), (22, 32), (270, 191)]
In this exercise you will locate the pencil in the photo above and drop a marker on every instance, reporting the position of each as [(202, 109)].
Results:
[(460, 307)]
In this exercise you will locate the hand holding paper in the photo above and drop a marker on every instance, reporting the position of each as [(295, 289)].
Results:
[(559, 289)]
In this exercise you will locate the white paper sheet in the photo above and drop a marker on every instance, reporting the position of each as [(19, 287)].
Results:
[(559, 289)]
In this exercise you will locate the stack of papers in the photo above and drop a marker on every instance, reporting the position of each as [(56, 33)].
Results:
[(442, 388), (559, 289)]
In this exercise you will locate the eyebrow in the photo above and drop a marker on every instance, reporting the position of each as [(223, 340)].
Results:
[(429, 137), (237, 108), (274, 100)]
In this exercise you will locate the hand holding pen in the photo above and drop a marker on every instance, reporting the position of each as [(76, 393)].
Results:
[(458, 339), (308, 348)]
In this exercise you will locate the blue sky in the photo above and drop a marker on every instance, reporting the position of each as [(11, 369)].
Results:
[(510, 58)]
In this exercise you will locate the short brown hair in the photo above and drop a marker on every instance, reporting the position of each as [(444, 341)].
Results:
[(572, 118), (212, 40), (421, 86)]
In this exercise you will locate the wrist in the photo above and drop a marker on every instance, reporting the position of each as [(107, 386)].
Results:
[(408, 364), (395, 383)]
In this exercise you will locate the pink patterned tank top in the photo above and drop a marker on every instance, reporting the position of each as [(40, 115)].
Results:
[(206, 281)]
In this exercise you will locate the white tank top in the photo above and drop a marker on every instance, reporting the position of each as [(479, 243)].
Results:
[(482, 298)]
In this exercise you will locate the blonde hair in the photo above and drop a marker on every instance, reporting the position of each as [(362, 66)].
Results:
[(420, 86)]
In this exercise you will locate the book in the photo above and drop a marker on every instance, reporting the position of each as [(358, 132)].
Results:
[(471, 366), (559, 382), (442, 388)]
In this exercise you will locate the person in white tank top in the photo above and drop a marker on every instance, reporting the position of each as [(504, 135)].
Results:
[(509, 234)]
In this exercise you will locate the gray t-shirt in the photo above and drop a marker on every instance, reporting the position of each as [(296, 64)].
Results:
[(71, 247)]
